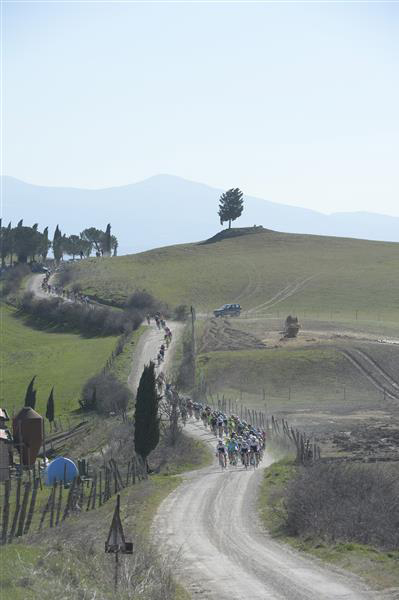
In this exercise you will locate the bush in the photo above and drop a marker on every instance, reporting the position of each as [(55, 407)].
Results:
[(346, 503), (142, 301), (181, 312), (64, 274), (88, 319), (105, 393), (12, 278)]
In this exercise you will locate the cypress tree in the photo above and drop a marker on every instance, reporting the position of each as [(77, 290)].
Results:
[(107, 240), (146, 419), (45, 244), (231, 205), (57, 244), (30, 395), (50, 407)]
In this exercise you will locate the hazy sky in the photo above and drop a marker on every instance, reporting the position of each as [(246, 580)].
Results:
[(294, 102)]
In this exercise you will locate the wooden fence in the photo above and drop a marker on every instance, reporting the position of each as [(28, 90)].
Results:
[(307, 450), (82, 494)]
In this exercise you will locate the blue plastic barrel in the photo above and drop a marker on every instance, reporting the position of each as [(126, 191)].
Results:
[(58, 469)]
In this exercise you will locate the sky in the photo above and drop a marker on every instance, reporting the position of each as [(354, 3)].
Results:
[(295, 102)]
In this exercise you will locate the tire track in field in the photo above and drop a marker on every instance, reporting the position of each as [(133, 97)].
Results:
[(252, 287), (285, 293), (380, 369), (374, 373)]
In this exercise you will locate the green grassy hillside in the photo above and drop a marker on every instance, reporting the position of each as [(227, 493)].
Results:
[(318, 378), (60, 359), (266, 272)]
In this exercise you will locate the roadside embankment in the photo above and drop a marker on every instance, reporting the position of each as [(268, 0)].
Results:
[(330, 511)]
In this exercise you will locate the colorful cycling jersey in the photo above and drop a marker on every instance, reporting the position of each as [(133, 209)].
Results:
[(232, 446)]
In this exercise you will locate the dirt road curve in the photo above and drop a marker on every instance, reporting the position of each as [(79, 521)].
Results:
[(147, 350), (207, 527), (34, 285)]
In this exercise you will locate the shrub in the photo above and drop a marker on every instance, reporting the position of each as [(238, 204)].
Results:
[(87, 319), (345, 502), (12, 278), (64, 274), (141, 300), (181, 312), (105, 393)]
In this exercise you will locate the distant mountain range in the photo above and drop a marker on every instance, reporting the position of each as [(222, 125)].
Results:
[(165, 210)]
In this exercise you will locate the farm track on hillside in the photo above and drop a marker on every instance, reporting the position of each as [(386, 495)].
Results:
[(252, 288), (289, 290), (373, 371)]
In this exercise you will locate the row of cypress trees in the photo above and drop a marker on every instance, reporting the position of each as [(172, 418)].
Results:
[(30, 400)]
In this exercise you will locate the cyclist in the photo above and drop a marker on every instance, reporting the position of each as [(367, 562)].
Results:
[(214, 423), (244, 451), (232, 448), (189, 404), (183, 413), (220, 422), (221, 453), (254, 449)]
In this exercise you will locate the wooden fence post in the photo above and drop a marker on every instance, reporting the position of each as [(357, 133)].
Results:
[(69, 499), (93, 504), (52, 503), (23, 509), (45, 510), (134, 471), (6, 511), (100, 498), (17, 509), (31, 506), (88, 505), (59, 503)]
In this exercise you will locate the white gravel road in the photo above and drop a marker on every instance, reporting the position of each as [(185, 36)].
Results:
[(147, 350), (34, 285), (209, 530)]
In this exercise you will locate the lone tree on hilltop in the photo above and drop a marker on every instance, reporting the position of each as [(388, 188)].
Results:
[(146, 418), (231, 205)]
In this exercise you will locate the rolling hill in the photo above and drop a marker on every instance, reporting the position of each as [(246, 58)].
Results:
[(164, 210), (265, 271)]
